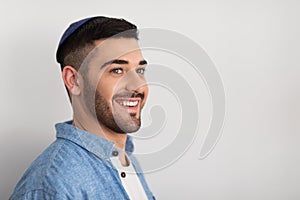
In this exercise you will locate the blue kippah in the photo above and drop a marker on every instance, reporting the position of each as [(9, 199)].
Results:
[(72, 28)]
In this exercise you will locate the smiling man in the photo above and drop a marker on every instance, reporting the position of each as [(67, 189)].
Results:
[(103, 71)]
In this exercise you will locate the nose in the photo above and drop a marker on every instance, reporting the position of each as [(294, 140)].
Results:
[(134, 81)]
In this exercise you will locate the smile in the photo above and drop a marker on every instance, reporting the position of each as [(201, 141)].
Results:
[(128, 103)]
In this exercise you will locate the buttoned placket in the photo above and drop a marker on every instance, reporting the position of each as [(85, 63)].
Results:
[(114, 153)]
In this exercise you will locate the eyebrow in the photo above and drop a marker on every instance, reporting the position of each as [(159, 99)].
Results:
[(121, 62)]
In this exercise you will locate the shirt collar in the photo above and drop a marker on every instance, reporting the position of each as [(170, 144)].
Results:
[(99, 146)]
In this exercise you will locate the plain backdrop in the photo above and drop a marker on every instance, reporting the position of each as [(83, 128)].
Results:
[(255, 46)]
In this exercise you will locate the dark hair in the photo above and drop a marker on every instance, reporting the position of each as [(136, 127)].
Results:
[(78, 45)]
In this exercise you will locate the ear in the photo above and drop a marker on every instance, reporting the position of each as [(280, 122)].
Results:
[(70, 77)]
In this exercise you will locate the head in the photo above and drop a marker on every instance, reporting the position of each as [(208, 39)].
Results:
[(103, 70)]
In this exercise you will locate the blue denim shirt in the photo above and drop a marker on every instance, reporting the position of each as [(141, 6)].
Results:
[(76, 166)]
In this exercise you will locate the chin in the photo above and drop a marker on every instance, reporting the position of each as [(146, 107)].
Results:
[(130, 127)]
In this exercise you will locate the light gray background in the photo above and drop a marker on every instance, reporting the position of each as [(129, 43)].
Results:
[(255, 46)]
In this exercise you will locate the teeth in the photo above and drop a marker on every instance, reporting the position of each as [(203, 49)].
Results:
[(128, 103)]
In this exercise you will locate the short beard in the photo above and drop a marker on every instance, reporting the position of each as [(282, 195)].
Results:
[(100, 108)]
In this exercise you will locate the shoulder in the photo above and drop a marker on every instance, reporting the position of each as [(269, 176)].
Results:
[(59, 168), (37, 194)]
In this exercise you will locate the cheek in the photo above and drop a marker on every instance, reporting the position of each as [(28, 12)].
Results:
[(106, 89), (146, 91)]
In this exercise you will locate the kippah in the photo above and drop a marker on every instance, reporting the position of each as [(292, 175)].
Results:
[(72, 28)]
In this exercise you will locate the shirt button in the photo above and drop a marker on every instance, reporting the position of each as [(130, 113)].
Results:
[(115, 153), (123, 174)]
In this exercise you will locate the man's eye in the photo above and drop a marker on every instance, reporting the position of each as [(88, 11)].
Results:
[(116, 71), (140, 70)]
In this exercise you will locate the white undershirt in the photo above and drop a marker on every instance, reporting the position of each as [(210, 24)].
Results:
[(129, 178)]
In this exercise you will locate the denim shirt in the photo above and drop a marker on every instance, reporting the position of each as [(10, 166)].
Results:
[(76, 166)]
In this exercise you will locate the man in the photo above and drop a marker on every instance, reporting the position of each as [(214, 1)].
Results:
[(103, 71)]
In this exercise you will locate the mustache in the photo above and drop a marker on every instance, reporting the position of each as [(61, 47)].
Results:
[(129, 95)]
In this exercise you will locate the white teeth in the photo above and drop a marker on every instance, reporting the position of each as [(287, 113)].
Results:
[(128, 103)]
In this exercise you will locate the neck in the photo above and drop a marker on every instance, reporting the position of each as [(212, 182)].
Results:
[(93, 126)]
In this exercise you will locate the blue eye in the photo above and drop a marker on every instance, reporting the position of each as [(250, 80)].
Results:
[(140, 70), (117, 71)]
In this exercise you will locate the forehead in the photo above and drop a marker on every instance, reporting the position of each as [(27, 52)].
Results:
[(114, 48)]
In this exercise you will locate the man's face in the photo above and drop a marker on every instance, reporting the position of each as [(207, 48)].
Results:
[(115, 89)]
